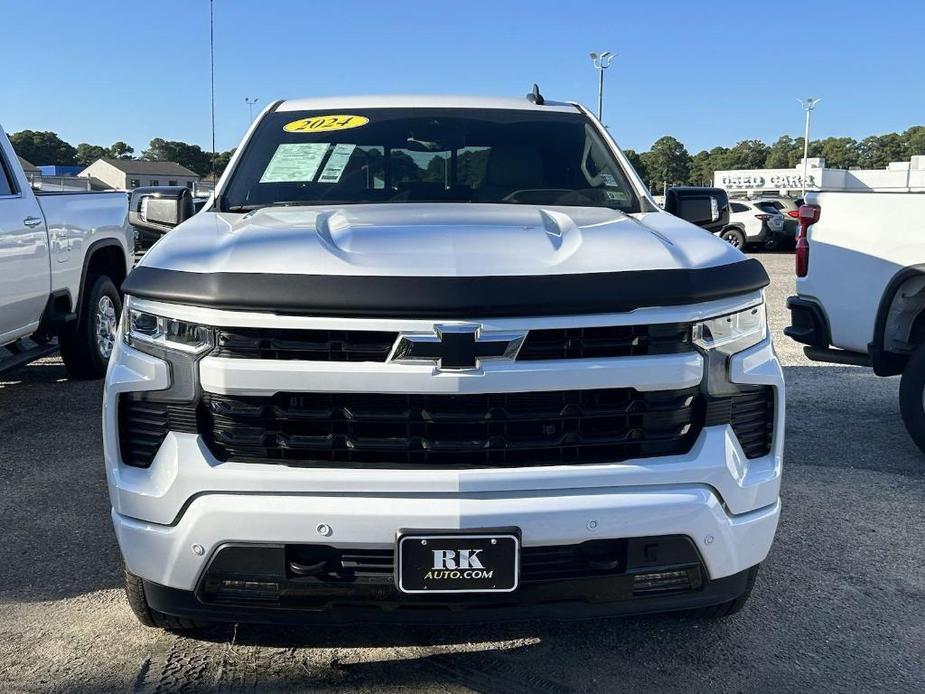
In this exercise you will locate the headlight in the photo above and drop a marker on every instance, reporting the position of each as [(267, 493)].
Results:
[(179, 343), (734, 332), (721, 337), (143, 330)]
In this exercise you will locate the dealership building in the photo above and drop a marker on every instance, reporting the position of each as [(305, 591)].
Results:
[(901, 176)]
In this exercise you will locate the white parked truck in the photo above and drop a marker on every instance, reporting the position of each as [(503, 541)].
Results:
[(425, 358), (860, 299), (62, 259)]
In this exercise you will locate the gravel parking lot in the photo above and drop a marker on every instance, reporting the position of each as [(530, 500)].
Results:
[(839, 604)]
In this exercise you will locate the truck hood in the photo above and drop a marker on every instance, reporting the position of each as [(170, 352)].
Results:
[(436, 240)]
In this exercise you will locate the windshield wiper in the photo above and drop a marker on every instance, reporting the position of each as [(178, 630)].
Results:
[(281, 203), (293, 203)]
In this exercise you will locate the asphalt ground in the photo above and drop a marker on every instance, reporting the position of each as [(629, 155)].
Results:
[(839, 604)]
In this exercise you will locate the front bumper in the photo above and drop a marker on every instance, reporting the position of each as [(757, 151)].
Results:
[(176, 555), (172, 517)]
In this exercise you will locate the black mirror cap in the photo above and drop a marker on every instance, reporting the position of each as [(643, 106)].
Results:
[(159, 209), (706, 207)]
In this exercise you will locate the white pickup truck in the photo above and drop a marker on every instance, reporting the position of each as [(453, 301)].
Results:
[(62, 259), (431, 358), (860, 300)]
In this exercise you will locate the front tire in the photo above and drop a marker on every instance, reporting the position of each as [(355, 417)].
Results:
[(135, 593), (87, 349), (912, 397), (734, 237)]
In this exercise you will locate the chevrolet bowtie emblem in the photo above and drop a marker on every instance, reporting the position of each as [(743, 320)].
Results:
[(457, 346)]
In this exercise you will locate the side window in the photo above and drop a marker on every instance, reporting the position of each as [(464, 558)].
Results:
[(739, 207), (7, 186), (134, 183), (171, 183), (154, 182), (189, 184)]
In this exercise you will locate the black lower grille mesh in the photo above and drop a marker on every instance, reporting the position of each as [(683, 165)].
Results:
[(292, 564), (143, 425), (751, 414), (484, 430)]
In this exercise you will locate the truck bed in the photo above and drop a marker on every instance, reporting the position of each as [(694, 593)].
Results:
[(861, 241)]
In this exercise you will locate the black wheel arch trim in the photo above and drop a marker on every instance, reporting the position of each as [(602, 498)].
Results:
[(447, 297), (91, 250), (888, 363)]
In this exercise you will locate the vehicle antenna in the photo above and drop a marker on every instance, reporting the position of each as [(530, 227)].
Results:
[(535, 96)]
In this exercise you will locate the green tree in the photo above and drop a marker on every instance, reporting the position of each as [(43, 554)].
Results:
[(190, 156), (471, 166), (120, 150), (876, 151), (784, 153), (839, 152), (436, 170), (221, 161), (706, 163), (748, 154), (636, 160), (667, 162), (914, 141), (87, 153), (701, 169), (43, 147)]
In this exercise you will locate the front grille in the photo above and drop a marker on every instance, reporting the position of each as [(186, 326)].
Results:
[(307, 345), (751, 414), (608, 341), (375, 346), (144, 424), (469, 431)]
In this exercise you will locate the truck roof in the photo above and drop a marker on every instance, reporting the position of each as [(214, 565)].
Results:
[(421, 101)]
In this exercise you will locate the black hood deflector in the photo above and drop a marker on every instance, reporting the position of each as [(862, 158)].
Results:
[(447, 297)]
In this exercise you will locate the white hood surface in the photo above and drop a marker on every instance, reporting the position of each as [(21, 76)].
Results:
[(436, 240)]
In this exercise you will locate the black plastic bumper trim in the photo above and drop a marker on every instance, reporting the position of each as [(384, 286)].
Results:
[(181, 603), (447, 297), (808, 324)]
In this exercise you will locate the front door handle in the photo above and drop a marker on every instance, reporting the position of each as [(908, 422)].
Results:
[(32, 222)]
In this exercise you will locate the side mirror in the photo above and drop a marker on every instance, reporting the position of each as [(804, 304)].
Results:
[(705, 207), (160, 209)]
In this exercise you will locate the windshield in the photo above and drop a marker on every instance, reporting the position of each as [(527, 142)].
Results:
[(427, 155)]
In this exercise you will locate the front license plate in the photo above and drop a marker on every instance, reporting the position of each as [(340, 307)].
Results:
[(458, 563)]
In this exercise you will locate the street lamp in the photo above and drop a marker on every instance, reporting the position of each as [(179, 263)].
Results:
[(808, 105), (250, 106), (601, 62)]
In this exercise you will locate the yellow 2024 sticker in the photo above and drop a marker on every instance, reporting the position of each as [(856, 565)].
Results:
[(324, 124)]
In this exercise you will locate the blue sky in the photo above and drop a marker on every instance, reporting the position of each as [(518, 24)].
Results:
[(710, 73)]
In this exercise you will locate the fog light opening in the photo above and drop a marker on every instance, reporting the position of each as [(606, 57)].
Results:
[(661, 582)]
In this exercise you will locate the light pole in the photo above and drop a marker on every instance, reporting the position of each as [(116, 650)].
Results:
[(808, 105), (250, 107), (601, 62)]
